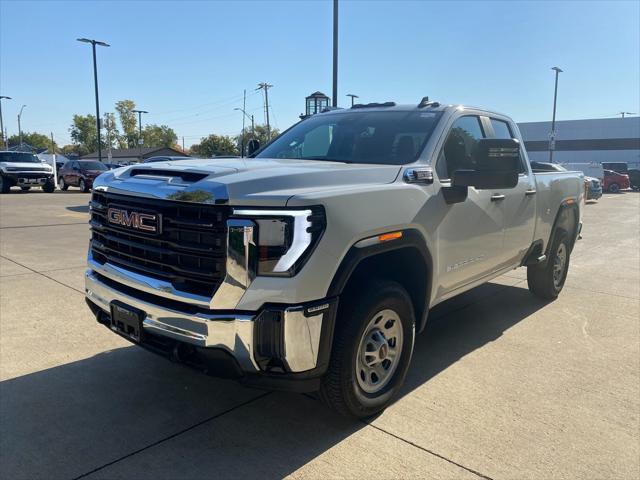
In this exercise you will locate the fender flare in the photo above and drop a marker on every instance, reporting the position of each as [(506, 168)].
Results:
[(568, 205), (411, 238)]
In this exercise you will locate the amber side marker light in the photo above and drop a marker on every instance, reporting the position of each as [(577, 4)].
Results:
[(389, 236)]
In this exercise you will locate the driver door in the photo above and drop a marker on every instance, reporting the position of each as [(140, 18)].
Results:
[(470, 233)]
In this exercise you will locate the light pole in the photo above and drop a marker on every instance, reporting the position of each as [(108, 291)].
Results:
[(95, 81), (19, 127), (253, 130), (4, 135), (140, 141), (335, 53), (352, 97), (552, 137)]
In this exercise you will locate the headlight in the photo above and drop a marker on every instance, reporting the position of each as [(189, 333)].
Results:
[(285, 238)]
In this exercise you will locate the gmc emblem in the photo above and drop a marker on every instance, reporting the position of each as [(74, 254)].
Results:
[(147, 222)]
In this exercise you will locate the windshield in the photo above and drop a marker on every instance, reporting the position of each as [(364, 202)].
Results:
[(93, 166), (18, 157), (381, 137)]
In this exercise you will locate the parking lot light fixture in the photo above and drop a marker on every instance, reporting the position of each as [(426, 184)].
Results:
[(552, 136), (19, 126), (4, 134), (95, 81)]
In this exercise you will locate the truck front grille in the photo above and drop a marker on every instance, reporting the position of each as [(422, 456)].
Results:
[(189, 251)]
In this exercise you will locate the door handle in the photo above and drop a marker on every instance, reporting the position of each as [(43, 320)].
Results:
[(497, 197), (530, 192)]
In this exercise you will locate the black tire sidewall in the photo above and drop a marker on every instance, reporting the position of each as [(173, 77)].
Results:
[(614, 188), (83, 185), (381, 296)]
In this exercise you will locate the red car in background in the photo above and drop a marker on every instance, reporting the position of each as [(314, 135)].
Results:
[(80, 173), (614, 181)]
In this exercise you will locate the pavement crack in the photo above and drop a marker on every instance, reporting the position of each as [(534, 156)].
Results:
[(173, 435), (42, 274), (431, 452)]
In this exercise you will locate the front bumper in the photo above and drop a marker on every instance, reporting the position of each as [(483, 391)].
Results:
[(280, 346), (27, 179)]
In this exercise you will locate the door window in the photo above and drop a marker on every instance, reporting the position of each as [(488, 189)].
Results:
[(457, 153)]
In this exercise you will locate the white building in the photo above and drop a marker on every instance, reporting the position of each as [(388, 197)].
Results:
[(592, 140)]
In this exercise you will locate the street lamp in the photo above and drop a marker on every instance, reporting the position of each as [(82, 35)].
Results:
[(140, 141), (552, 137), (352, 97), (335, 53), (19, 127), (95, 81), (4, 134), (253, 130)]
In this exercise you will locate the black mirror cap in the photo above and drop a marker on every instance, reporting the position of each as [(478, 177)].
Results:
[(253, 146), (497, 155), (484, 180)]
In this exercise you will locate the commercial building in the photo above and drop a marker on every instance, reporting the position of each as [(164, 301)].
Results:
[(593, 140), (132, 155)]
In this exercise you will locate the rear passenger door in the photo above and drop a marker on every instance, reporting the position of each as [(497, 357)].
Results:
[(519, 203), (470, 233)]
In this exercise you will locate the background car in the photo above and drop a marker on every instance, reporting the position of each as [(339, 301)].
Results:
[(165, 158), (111, 166), (80, 173), (547, 167), (593, 188), (614, 181), (634, 178)]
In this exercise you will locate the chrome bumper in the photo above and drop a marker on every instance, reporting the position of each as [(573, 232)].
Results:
[(236, 333)]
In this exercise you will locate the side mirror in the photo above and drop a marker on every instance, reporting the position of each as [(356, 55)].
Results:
[(253, 146), (497, 164)]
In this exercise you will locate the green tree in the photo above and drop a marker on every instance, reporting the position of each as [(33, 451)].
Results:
[(215, 145), (84, 134), (111, 135), (128, 122), (260, 135), (36, 140), (159, 136)]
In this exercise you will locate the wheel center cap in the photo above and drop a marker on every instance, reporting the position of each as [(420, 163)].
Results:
[(384, 351)]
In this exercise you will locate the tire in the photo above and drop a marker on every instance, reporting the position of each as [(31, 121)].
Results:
[(62, 184), (49, 187), (83, 186), (614, 188), (546, 281), (25, 189), (351, 386), (4, 185)]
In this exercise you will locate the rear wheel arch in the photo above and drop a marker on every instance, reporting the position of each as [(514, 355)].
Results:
[(406, 260), (566, 220)]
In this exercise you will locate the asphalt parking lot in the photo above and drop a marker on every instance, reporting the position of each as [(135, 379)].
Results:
[(501, 386)]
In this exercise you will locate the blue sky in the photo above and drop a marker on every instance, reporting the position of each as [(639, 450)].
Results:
[(187, 63)]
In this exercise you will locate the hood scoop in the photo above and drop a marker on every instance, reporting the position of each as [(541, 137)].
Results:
[(188, 177)]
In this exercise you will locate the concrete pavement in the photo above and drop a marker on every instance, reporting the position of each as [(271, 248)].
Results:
[(501, 385)]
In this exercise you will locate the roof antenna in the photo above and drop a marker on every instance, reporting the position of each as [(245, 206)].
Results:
[(424, 102)]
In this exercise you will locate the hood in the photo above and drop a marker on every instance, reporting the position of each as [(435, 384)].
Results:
[(242, 181), (33, 166)]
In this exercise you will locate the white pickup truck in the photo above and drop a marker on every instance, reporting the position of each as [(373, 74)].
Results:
[(313, 264)]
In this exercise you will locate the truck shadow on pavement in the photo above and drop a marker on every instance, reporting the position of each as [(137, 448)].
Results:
[(127, 414)]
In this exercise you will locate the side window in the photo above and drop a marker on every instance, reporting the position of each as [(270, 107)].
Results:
[(502, 130), (457, 153)]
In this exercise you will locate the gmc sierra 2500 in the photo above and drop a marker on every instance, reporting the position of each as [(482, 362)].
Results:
[(312, 265)]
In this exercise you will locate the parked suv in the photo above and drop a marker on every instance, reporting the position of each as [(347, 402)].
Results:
[(614, 181), (80, 173), (312, 265), (24, 170)]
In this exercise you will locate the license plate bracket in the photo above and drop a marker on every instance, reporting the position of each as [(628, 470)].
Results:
[(127, 320)]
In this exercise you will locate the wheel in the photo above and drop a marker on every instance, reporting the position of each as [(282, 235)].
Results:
[(83, 186), (25, 189), (546, 281), (62, 184), (371, 352), (4, 185), (49, 186), (614, 188)]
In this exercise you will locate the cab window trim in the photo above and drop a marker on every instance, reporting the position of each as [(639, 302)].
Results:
[(483, 129)]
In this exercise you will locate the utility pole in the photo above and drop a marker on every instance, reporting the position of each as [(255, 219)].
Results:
[(265, 86), (335, 53), (19, 127), (55, 167), (244, 107), (95, 82), (2, 130), (183, 144), (352, 97), (108, 126), (552, 136), (140, 141)]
